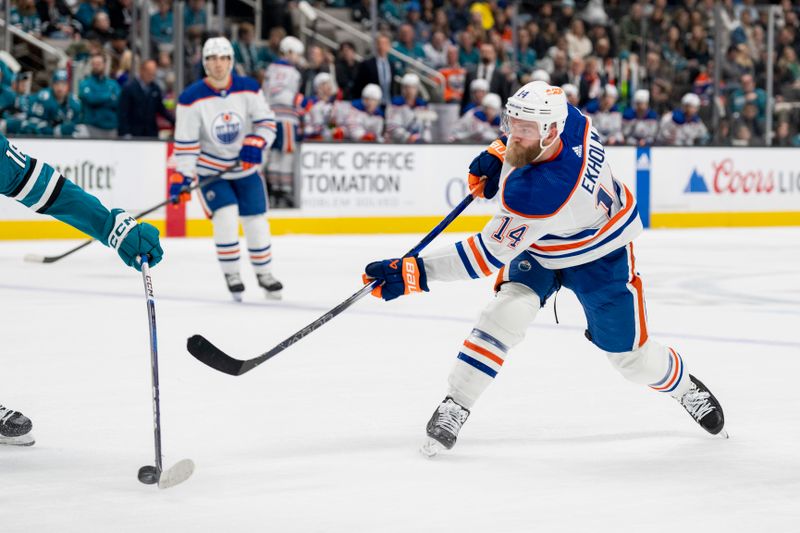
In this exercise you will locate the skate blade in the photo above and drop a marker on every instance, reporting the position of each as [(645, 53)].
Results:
[(273, 295), (237, 296), (22, 440), (431, 448), (723, 434), (180, 472)]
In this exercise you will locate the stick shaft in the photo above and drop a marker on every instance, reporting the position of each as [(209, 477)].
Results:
[(151, 320)]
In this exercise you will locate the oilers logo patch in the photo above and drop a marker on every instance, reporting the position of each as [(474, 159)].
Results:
[(226, 127)]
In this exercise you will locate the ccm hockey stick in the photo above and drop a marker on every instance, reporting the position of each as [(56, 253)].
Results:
[(36, 258), (210, 355), (151, 474)]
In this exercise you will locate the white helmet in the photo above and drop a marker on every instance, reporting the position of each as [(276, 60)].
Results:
[(410, 79), (322, 77), (690, 100), (641, 95), (492, 101), (540, 102), (540, 75), (479, 84), (218, 46), (610, 90), (372, 91), (291, 44), (570, 89)]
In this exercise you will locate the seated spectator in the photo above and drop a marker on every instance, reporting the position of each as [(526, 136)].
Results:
[(86, 12), (640, 122), (404, 121), (578, 44), (477, 90), (606, 116), (99, 95), (25, 17), (489, 69), (194, 14), (392, 11), (321, 119), (572, 94), (140, 103), (540, 75), (347, 70), (422, 30), (365, 120), (748, 92), (454, 77), (526, 55), (683, 127), (436, 51), (121, 58), (55, 111), (458, 15), (591, 85), (161, 23), (467, 52), (749, 118), (57, 22), (101, 28), (16, 105), (742, 135), (121, 14), (407, 43), (480, 124), (249, 57)]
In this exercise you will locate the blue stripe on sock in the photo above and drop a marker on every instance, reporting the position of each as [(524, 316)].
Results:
[(227, 260), (256, 250), (492, 259), (680, 375), (482, 335), (268, 261), (477, 364), (666, 377), (463, 255), (227, 245)]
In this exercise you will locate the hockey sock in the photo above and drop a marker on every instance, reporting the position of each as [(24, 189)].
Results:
[(226, 237), (657, 366), (501, 326), (259, 245)]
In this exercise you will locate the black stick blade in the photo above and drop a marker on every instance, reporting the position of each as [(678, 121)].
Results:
[(210, 355)]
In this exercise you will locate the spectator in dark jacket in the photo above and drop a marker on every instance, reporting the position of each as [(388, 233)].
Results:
[(141, 100), (347, 70), (56, 19)]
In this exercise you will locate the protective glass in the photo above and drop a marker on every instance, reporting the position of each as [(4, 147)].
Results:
[(520, 129)]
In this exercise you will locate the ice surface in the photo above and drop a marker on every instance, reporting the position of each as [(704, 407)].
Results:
[(324, 437)]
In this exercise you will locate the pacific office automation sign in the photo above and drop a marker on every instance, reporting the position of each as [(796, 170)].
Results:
[(725, 179), (388, 180)]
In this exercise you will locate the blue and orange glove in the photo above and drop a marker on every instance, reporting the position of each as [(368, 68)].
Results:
[(252, 152), (179, 188), (484, 171), (131, 240), (399, 277)]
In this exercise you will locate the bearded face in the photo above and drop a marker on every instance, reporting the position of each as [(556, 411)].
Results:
[(518, 155)]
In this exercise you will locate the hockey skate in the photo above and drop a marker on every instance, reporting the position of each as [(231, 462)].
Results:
[(704, 407), (15, 428), (272, 287), (443, 427), (235, 285)]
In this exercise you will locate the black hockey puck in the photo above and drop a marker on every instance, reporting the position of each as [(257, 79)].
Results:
[(148, 475)]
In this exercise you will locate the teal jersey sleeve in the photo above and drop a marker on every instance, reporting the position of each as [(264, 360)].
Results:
[(37, 186)]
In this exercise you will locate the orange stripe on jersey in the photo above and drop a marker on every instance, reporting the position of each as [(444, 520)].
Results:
[(606, 227), (636, 282), (211, 163), (481, 263), (484, 352), (499, 280), (193, 147)]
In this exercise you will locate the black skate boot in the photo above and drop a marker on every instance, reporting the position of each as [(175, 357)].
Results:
[(272, 287), (704, 407), (15, 428), (443, 427), (235, 285)]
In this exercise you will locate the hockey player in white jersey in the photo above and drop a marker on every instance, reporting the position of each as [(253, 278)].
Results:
[(640, 122), (563, 221), (323, 113), (683, 126), (282, 90), (223, 122), (479, 124), (365, 120), (606, 116), (408, 119)]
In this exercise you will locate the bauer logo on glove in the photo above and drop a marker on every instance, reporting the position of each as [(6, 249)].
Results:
[(398, 277)]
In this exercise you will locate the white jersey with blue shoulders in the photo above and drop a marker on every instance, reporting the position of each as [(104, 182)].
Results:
[(566, 211), (210, 126), (282, 90)]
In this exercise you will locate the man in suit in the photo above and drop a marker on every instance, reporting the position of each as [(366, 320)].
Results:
[(501, 81), (377, 69), (141, 100)]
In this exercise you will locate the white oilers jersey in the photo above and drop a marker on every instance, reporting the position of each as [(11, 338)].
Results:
[(322, 117), (408, 124), (564, 212), (362, 125), (475, 126), (211, 125), (639, 130), (281, 89), (607, 123), (676, 130)]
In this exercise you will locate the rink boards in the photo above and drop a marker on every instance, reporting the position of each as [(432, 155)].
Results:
[(382, 188)]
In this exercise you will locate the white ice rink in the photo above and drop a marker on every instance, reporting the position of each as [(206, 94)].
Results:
[(324, 437)]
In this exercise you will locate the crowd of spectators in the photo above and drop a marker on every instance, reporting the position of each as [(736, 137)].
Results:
[(643, 70)]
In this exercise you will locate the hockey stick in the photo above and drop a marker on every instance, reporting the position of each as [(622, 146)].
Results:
[(36, 258), (181, 471), (210, 355)]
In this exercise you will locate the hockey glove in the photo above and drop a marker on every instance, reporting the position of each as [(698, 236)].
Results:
[(399, 277), (484, 171), (131, 239), (179, 188), (252, 152)]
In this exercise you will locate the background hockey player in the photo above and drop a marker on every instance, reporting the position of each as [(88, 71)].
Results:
[(480, 124), (223, 121), (564, 221), (55, 111), (324, 112), (36, 185), (282, 91), (478, 88), (640, 122), (606, 116), (683, 127), (408, 119), (365, 119)]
